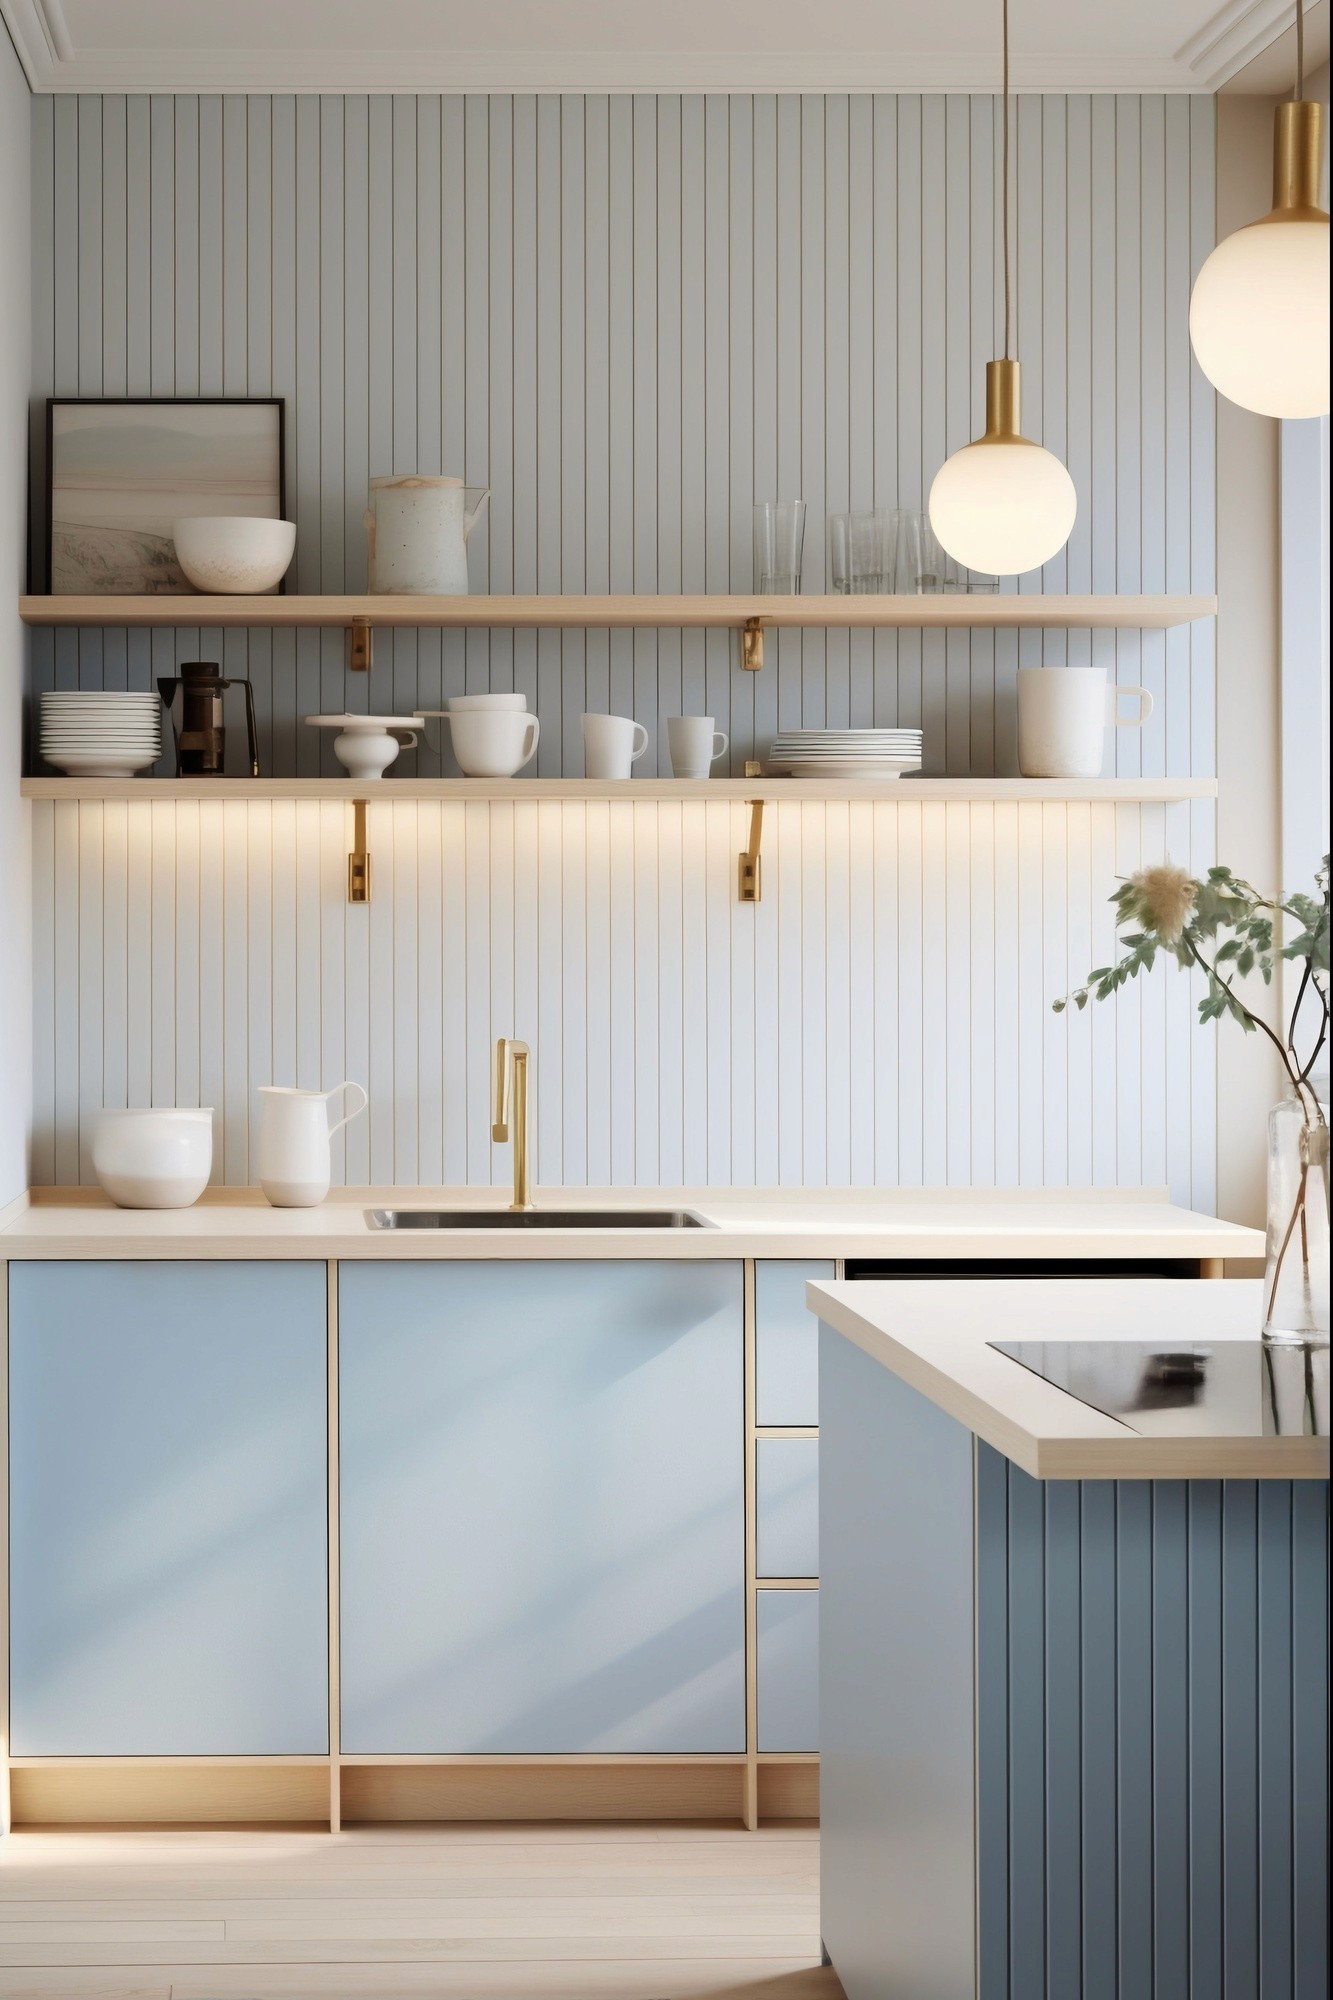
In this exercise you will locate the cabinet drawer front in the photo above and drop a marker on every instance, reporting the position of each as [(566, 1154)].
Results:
[(788, 1669), (787, 1341), (787, 1506), (168, 1509), (542, 1507)]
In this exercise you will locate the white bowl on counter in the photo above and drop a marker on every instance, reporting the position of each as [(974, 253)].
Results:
[(233, 554), (153, 1159)]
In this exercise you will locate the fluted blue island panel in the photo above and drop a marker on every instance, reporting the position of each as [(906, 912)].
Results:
[(1152, 1672), (1074, 1731), (168, 1509)]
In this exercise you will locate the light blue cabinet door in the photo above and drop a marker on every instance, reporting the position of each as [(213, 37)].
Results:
[(542, 1507), (168, 1509), (788, 1669), (787, 1341), (787, 1506)]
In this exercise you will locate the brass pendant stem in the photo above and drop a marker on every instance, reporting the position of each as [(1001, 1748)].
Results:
[(1003, 402), (1298, 149)]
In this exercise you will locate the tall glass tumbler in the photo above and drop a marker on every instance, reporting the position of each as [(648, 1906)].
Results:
[(779, 538), (863, 552)]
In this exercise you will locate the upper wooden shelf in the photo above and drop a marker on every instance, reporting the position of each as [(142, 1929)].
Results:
[(1005, 610), (896, 791)]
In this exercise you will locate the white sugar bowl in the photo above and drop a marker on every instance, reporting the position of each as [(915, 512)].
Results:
[(153, 1159)]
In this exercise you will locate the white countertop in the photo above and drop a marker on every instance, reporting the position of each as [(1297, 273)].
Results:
[(935, 1336), (743, 1222)]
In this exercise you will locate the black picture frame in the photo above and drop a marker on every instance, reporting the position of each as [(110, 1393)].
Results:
[(278, 404)]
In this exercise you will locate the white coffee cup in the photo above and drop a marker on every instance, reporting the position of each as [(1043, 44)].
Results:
[(458, 704), (611, 743), (1063, 716), (492, 742), (694, 744)]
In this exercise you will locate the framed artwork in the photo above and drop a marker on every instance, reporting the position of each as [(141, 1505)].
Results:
[(119, 472)]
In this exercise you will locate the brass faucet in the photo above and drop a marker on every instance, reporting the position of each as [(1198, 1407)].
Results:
[(511, 1080)]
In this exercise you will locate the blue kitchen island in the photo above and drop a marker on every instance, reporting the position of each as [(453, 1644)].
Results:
[(1074, 1643)]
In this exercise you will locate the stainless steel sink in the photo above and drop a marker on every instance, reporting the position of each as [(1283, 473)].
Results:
[(534, 1218)]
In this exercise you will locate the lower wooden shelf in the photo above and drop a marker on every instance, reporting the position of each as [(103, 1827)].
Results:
[(387, 791)]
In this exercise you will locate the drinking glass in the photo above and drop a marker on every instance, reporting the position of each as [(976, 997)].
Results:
[(779, 537), (932, 570), (863, 552)]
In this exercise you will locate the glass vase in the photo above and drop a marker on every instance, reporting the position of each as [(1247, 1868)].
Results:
[(1296, 1272)]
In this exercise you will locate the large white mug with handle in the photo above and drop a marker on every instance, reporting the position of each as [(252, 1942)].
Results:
[(694, 744), (1063, 716), (295, 1157), (611, 744)]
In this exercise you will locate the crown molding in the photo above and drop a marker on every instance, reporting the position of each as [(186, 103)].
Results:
[(1235, 35), (52, 64)]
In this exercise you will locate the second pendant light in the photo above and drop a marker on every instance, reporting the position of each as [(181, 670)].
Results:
[(1003, 504)]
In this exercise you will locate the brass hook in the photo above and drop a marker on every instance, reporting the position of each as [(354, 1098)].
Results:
[(362, 647), (358, 861), (752, 645), (750, 882)]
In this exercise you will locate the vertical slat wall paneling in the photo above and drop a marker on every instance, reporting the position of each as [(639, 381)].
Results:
[(1309, 1632), (883, 1014), (632, 317), (1152, 1812)]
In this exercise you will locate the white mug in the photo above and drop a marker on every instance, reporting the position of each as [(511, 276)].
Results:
[(1063, 714), (492, 742), (611, 743), (295, 1159), (694, 744)]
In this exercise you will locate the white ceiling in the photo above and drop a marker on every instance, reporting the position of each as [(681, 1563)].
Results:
[(635, 44)]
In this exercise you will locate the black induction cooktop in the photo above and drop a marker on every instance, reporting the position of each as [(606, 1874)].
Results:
[(1227, 1388)]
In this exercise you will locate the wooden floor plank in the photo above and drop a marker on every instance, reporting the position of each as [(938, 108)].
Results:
[(462, 1913)]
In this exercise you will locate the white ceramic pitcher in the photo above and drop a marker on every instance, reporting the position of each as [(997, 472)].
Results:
[(417, 529), (295, 1158)]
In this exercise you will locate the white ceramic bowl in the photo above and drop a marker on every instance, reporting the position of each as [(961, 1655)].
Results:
[(233, 553), (153, 1159), (493, 743)]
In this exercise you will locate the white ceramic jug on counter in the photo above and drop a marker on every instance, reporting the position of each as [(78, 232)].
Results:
[(417, 530), (295, 1158)]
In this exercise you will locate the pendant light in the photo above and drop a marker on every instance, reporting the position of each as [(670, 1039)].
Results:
[(1259, 310), (1002, 504)]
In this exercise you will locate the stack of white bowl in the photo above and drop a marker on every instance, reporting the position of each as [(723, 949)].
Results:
[(492, 735), (100, 735), (845, 753)]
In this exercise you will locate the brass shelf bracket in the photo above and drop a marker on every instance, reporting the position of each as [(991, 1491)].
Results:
[(750, 880), (362, 649), (358, 861), (752, 645)]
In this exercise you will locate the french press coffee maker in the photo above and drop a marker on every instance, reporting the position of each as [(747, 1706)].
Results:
[(201, 738)]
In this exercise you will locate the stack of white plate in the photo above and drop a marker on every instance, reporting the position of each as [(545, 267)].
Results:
[(845, 753), (101, 735)]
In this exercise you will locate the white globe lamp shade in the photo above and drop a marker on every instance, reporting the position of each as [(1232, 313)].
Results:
[(1002, 505), (1259, 310)]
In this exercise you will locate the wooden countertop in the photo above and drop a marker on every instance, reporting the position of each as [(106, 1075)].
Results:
[(743, 1222), (935, 1336)]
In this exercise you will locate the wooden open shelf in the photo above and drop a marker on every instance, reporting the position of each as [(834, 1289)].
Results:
[(892, 791), (1005, 610)]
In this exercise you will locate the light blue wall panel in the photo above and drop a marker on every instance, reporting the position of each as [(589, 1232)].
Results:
[(787, 1341), (787, 1506), (168, 1509), (788, 1669), (632, 318), (542, 1507)]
